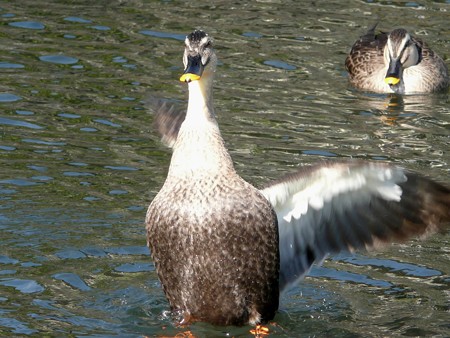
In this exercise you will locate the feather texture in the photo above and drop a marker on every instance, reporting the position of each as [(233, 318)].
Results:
[(346, 206)]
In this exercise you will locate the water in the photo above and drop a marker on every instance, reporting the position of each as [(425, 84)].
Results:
[(80, 161)]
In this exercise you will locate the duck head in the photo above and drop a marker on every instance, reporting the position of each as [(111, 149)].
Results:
[(199, 57), (400, 52)]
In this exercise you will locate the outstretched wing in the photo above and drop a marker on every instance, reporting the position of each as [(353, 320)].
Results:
[(346, 206), (167, 119)]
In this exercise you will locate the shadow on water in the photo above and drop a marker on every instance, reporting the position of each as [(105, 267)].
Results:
[(80, 160)]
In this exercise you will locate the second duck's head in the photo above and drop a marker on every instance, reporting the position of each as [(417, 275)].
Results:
[(400, 52), (199, 57)]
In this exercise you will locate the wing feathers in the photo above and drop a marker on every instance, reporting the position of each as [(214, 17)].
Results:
[(339, 206), (167, 120)]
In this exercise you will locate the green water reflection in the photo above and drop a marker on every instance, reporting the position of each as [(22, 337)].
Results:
[(80, 161)]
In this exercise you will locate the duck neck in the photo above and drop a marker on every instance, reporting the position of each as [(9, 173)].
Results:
[(200, 104), (199, 149)]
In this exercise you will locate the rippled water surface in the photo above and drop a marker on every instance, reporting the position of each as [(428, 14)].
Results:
[(80, 161)]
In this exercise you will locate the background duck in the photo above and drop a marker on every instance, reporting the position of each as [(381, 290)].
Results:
[(224, 250), (395, 62)]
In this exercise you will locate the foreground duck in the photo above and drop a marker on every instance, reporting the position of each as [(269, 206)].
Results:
[(395, 62), (224, 250)]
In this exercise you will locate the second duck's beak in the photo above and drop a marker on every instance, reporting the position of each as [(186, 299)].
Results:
[(393, 73), (194, 69)]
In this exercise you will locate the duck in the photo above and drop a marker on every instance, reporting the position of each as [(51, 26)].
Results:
[(395, 62), (224, 250)]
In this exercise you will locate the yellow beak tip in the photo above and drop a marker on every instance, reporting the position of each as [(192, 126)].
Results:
[(188, 77), (392, 80)]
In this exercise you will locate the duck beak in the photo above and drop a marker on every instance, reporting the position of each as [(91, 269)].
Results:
[(393, 73), (194, 69)]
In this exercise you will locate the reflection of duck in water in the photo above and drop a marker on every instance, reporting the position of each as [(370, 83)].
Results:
[(392, 108), (224, 250), (395, 62)]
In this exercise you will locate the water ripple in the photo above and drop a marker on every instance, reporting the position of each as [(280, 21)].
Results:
[(42, 178), (252, 35), (101, 28), (59, 59), (19, 182), (16, 326), (89, 129), (27, 24), (7, 148), (94, 252), (37, 168), (70, 254), (319, 153), (48, 143), (135, 267), (76, 174), (23, 285), (77, 19), (19, 123), (165, 35), (69, 115), (120, 59), (6, 97), (124, 168), (11, 65), (323, 272), (7, 260), (279, 64), (129, 250), (406, 268), (118, 192), (73, 280), (107, 122), (24, 112)]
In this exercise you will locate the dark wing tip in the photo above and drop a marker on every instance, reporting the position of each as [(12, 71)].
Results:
[(432, 201), (423, 210)]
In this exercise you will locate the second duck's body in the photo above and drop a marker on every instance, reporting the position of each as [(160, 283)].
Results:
[(395, 62)]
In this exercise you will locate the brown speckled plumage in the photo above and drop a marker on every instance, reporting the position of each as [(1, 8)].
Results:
[(208, 238), (368, 61)]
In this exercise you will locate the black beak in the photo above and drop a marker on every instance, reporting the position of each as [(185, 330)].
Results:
[(393, 73), (194, 69)]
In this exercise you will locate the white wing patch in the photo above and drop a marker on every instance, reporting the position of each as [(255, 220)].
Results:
[(314, 206), (293, 198)]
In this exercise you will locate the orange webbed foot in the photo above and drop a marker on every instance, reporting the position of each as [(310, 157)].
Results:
[(260, 331)]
